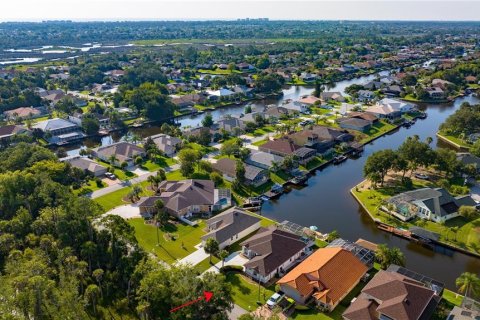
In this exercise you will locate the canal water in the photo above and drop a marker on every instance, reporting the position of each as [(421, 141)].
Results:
[(326, 201)]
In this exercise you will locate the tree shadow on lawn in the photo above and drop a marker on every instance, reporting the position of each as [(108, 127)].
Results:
[(235, 280)]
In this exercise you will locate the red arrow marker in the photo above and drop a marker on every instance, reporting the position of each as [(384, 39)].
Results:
[(207, 295)]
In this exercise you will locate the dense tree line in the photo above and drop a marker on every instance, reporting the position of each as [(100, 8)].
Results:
[(465, 121), (59, 259)]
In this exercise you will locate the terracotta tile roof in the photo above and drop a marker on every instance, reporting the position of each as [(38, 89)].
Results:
[(281, 146), (328, 274)]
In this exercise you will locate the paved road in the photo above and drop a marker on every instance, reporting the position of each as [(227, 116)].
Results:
[(236, 312), (123, 184)]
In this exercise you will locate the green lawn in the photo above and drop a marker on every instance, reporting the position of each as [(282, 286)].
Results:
[(115, 199), (245, 291), (260, 142), (168, 250), (160, 162), (205, 264), (452, 297), (454, 140), (90, 186), (279, 177), (121, 174), (467, 236), (264, 130), (314, 163), (315, 315), (376, 130)]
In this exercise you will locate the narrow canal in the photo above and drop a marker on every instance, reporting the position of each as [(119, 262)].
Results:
[(326, 203)]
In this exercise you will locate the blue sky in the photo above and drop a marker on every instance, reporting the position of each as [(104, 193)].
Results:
[(37, 10)]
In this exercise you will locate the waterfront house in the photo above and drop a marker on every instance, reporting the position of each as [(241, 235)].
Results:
[(7, 132), (187, 101), (221, 94), (87, 165), (122, 151), (391, 109), (272, 252), (391, 295), (59, 131), (320, 138), (329, 96), (441, 83), (434, 204), (286, 147), (231, 125), (354, 124), (392, 90), (308, 77), (255, 176), (22, 113), (230, 226), (364, 115), (296, 107), (263, 160), (186, 198), (435, 93), (309, 100), (326, 277), (167, 144)]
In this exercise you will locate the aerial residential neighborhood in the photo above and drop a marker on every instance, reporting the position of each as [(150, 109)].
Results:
[(194, 165)]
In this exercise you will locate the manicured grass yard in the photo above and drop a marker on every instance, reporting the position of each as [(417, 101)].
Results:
[(168, 250), (376, 130), (115, 199), (91, 185), (452, 297), (119, 173), (160, 162), (279, 177), (454, 139), (205, 264), (245, 291), (260, 142)]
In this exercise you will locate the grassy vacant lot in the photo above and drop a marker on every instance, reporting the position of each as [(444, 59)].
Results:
[(159, 162), (168, 250), (453, 140), (115, 199), (376, 130), (89, 186), (467, 236), (245, 291), (264, 130)]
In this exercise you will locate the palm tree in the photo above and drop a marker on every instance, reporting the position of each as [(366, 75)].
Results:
[(211, 247), (161, 217), (387, 256), (112, 159), (223, 254), (468, 283), (91, 296)]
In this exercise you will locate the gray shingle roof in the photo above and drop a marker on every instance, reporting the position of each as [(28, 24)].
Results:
[(54, 124), (273, 247), (228, 224)]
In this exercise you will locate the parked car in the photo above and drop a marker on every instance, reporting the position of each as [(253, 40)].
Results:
[(275, 299), (110, 176), (421, 176)]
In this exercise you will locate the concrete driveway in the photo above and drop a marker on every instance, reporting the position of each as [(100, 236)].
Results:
[(195, 257), (127, 211)]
